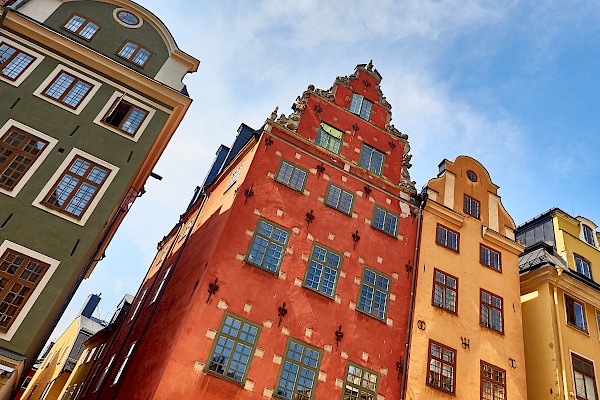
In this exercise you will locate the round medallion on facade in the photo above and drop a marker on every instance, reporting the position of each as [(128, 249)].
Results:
[(471, 176), (127, 18)]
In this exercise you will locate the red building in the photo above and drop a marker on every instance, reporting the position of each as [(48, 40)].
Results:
[(289, 275)]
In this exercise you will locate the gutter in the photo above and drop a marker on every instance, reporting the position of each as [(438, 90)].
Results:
[(412, 298)]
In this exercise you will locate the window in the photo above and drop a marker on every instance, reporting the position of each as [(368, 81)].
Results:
[(268, 245), (442, 367), (374, 293), (127, 18), (340, 199), (77, 187), (385, 221), (19, 276), (472, 206), (160, 285), (91, 355), (360, 383), (26, 382), (585, 380), (490, 257), (137, 306), (18, 152), (471, 176), (491, 311), (447, 237), (445, 291), (13, 62), (99, 384), (323, 270), (371, 159), (291, 175), (233, 348), (575, 313), (299, 371), (68, 90), (123, 364), (83, 356), (125, 116), (583, 266), (329, 138), (360, 106), (100, 349), (234, 176), (82, 26), (493, 382), (135, 53), (588, 235)]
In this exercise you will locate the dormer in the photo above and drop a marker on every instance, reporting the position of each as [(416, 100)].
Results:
[(588, 231)]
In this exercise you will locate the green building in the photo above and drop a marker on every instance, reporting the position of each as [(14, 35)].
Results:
[(90, 94)]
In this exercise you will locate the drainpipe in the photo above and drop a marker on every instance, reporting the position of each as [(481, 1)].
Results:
[(412, 296), (560, 338), (3, 17)]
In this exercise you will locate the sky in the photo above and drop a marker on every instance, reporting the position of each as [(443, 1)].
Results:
[(513, 84)]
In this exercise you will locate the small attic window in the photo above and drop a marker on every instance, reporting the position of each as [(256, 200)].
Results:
[(127, 18), (471, 176)]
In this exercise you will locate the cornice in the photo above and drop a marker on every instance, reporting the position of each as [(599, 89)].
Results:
[(444, 213), (502, 241)]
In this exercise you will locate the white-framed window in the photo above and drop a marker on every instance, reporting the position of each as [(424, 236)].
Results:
[(123, 364), (16, 62), (588, 235), (583, 266), (125, 116), (361, 106), (161, 284), (81, 26), (137, 306), (584, 377), (76, 187), (234, 177), (106, 369), (68, 89)]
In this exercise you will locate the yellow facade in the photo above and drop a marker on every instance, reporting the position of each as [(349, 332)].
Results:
[(459, 326), (558, 337)]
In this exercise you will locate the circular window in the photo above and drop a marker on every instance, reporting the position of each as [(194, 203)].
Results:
[(471, 176), (127, 18)]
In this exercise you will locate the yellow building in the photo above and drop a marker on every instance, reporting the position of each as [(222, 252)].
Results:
[(560, 271), (467, 338)]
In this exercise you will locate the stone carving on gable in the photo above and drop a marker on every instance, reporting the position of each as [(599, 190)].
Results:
[(390, 128), (405, 181), (291, 122)]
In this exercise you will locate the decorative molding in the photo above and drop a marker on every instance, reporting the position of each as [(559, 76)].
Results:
[(405, 181)]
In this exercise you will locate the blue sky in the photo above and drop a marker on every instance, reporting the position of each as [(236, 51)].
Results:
[(514, 84)]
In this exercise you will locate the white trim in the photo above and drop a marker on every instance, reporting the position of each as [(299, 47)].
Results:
[(51, 143), (29, 69), (38, 289), (61, 68), (38, 202), (116, 11), (571, 352), (111, 101)]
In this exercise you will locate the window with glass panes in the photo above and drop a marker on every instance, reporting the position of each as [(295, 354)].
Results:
[(492, 314), (82, 26), (330, 138), (583, 266), (490, 257), (585, 379), (18, 152), (13, 61), (445, 291), (340, 199), (162, 282), (291, 175), (123, 364), (447, 237), (135, 53), (268, 246), (385, 221), (493, 382), (126, 117), (371, 159), (575, 313), (67, 89), (360, 383), (588, 235), (361, 106), (323, 270), (472, 206), (299, 371), (442, 367), (374, 293)]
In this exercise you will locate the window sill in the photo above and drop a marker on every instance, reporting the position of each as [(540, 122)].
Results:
[(441, 390), (492, 330), (387, 233), (260, 267), (241, 383), (444, 309), (578, 329), (384, 320), (492, 268), (319, 292), (446, 247)]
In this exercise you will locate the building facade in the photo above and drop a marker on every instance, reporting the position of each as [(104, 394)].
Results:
[(91, 93), (561, 305), (287, 275), (467, 337)]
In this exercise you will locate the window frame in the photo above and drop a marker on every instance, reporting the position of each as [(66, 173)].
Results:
[(325, 264), (36, 59), (370, 166), (104, 373), (491, 252), (387, 213), (135, 53), (78, 31), (446, 244), (137, 305), (583, 261), (233, 177), (573, 370), (116, 13), (361, 389), (112, 104), (587, 230), (491, 307), (269, 240), (430, 357), (123, 364), (236, 340), (359, 112), (67, 91), (445, 287), (468, 206), (492, 380), (161, 284), (342, 191), (300, 364), (573, 324), (294, 168), (329, 137), (375, 288)]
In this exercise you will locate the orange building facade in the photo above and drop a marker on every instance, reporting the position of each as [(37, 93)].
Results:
[(289, 275)]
